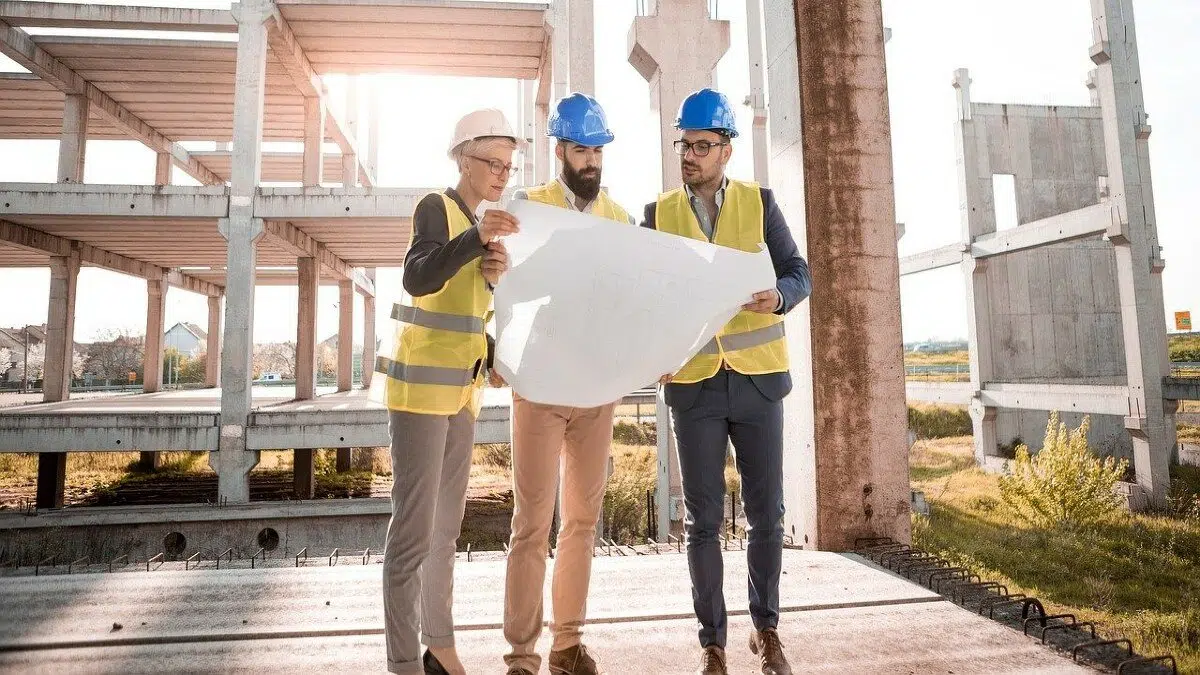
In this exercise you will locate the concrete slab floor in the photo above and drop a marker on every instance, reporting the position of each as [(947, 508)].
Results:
[(840, 614)]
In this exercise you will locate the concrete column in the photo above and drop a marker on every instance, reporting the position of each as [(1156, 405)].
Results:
[(60, 328), (757, 99), (373, 128), (56, 378), (528, 128), (345, 373), (156, 306), (314, 140), (846, 456), (676, 51), (345, 362), (72, 145), (306, 328), (162, 168), (974, 193), (304, 459), (152, 361), (368, 361), (543, 162), (1139, 263), (349, 160), (212, 357), (582, 36), (51, 480), (669, 483), (242, 230)]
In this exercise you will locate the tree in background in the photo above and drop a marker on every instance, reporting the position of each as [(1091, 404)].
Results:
[(7, 361), (194, 370), (34, 364), (327, 362), (116, 353), (78, 361), (277, 357)]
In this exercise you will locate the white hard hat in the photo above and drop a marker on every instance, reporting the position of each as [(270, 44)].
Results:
[(481, 124)]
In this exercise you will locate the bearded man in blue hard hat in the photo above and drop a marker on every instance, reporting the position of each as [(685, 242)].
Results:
[(733, 389), (549, 440)]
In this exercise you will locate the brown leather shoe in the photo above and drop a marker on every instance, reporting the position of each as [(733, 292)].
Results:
[(573, 661), (712, 661), (518, 671), (766, 645)]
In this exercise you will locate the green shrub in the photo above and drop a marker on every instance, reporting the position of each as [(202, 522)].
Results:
[(623, 517), (627, 433), (498, 455), (1064, 485), (939, 421), (1184, 348)]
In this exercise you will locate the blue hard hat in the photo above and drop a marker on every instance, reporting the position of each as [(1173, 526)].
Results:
[(707, 109), (580, 119)]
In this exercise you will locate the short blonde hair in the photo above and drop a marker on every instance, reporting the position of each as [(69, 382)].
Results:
[(477, 146)]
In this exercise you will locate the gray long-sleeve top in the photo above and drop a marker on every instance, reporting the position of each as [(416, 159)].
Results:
[(433, 258)]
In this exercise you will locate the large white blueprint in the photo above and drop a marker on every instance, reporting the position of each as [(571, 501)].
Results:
[(591, 310)]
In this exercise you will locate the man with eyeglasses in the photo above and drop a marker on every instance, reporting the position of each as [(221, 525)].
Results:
[(549, 440), (733, 389)]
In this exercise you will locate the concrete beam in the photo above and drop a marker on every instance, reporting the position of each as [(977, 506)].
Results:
[(296, 241), (581, 36), (156, 308), (18, 46), (115, 17), (932, 259), (136, 201), (1078, 398), (757, 98), (1181, 389), (327, 203), (1085, 222), (287, 49), (72, 145), (36, 240)]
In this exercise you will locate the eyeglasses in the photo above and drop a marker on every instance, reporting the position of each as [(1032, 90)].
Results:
[(699, 148), (497, 167)]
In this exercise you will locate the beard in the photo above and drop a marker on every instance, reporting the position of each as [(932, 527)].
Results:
[(585, 184)]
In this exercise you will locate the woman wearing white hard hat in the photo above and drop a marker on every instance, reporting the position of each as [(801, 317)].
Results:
[(432, 386)]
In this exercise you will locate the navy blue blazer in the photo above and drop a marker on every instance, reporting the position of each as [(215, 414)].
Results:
[(793, 281)]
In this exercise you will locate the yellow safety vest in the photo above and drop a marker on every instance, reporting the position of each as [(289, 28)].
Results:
[(437, 367), (552, 193), (751, 343)]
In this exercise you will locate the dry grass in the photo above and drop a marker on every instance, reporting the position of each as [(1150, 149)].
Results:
[(1137, 575), (944, 359)]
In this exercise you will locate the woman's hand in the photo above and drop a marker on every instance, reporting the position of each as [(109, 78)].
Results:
[(497, 223), (495, 380), (495, 262)]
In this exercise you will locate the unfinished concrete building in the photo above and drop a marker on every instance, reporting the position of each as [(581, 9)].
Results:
[(1065, 310)]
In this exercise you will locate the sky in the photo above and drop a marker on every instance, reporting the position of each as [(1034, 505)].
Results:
[(1020, 51)]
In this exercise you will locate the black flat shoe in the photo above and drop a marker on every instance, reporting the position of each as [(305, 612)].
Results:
[(432, 665)]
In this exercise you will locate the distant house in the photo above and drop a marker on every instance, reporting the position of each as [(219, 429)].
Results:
[(186, 338), (13, 339)]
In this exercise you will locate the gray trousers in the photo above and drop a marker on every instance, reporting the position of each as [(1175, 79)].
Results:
[(431, 464), (731, 407)]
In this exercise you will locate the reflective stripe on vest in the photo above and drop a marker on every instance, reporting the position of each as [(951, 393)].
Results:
[(552, 193), (450, 377), (751, 343), (752, 338), (451, 322), (436, 365)]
